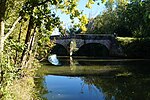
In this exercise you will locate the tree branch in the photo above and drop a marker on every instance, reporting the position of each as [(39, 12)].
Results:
[(40, 3), (12, 28), (43, 2)]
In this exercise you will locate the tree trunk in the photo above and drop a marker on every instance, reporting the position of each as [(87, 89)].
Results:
[(19, 37), (27, 41), (30, 53), (2, 27), (1, 48)]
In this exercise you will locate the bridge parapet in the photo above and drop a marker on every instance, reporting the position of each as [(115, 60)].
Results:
[(83, 36)]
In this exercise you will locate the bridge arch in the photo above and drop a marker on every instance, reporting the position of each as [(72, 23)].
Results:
[(106, 43), (93, 50), (59, 49)]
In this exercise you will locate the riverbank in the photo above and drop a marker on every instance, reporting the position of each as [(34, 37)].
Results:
[(135, 47)]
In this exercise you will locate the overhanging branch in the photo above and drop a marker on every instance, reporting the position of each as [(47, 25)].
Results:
[(12, 28)]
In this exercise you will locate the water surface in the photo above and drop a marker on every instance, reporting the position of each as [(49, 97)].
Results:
[(70, 88), (99, 79)]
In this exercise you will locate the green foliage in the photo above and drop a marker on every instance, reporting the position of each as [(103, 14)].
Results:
[(105, 23), (7, 76), (88, 5), (136, 18), (124, 18), (21, 89), (125, 40), (28, 36), (44, 45), (135, 47), (139, 49)]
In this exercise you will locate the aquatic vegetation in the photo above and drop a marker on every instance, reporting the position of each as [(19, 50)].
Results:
[(78, 70), (124, 74)]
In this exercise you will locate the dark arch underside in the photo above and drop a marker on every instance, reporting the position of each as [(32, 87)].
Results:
[(93, 50), (59, 50)]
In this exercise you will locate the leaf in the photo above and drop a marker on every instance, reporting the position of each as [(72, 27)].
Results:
[(88, 5), (103, 1)]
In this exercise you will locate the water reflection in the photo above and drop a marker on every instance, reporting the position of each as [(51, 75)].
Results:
[(131, 88), (73, 64), (70, 88), (78, 85), (96, 88), (136, 66), (53, 60)]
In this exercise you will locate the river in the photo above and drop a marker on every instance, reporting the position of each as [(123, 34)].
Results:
[(95, 79)]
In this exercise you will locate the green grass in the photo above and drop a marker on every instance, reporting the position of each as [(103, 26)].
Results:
[(126, 40)]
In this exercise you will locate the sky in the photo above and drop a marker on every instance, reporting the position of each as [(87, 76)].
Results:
[(90, 13)]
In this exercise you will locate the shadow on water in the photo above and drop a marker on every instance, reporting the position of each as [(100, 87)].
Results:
[(98, 79)]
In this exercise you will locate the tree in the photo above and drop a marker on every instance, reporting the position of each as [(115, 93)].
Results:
[(25, 24), (39, 13), (108, 21), (124, 18), (136, 17), (5, 14), (105, 23)]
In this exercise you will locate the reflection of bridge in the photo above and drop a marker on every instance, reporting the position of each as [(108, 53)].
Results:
[(107, 41)]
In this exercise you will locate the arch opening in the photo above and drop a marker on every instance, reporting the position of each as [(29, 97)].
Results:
[(93, 50), (59, 50)]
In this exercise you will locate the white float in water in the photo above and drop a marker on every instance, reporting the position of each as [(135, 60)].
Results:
[(53, 59)]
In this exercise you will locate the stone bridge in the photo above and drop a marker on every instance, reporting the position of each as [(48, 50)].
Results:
[(106, 40)]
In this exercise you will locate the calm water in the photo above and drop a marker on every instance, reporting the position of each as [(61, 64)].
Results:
[(130, 80), (71, 88)]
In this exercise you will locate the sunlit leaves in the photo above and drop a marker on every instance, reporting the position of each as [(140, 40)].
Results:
[(103, 1), (89, 4), (111, 1), (83, 21), (14, 45), (70, 7), (122, 2), (83, 28)]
